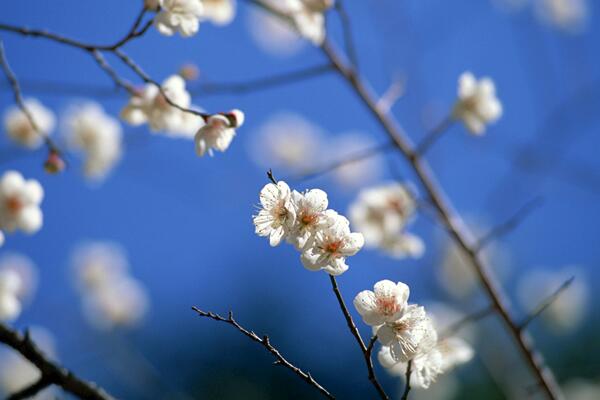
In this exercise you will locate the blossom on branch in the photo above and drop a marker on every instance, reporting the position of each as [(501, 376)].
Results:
[(308, 17), (218, 132), (99, 136), (179, 16), (477, 104), (386, 303), (19, 127), (20, 203)]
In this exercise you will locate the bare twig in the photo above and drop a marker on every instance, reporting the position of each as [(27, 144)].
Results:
[(391, 95), (266, 343), (10, 75), (407, 377), (271, 177), (347, 32), (476, 316), (359, 340), (50, 371), (546, 303), (433, 136), (509, 224), (120, 83)]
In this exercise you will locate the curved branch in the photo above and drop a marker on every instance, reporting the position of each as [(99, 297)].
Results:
[(51, 373), (266, 343)]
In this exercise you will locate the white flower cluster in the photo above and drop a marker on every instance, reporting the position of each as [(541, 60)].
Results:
[(111, 297), (184, 16), (477, 104), (320, 234), (21, 131), (309, 18), (218, 132), (382, 214), (408, 334), (20, 203), (97, 135)]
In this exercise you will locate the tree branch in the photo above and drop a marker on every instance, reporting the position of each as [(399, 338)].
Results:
[(50, 371), (265, 342), (407, 377), (354, 330), (546, 303), (476, 316), (30, 390), (433, 136)]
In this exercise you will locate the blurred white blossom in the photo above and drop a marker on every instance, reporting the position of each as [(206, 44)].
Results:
[(477, 104), (26, 271), (10, 285), (357, 173), (271, 33), (181, 16), (219, 12), (382, 213), (218, 132), (19, 128), (20, 203), (308, 17), (97, 135), (569, 309), (581, 389), (566, 15)]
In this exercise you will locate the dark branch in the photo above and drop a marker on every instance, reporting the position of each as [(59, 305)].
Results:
[(407, 384), (433, 136), (354, 330), (271, 177), (50, 371), (265, 342), (347, 32), (546, 303), (31, 390), (510, 224)]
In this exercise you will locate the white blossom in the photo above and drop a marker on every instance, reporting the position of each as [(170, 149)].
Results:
[(150, 106), (96, 264), (309, 212), (271, 33), (477, 104), (386, 303), (218, 132), (19, 128), (582, 389), (409, 335), (308, 17), (25, 270), (99, 136), (454, 351), (10, 285), (20, 203), (356, 173), (426, 367), (181, 16), (277, 214), (382, 214), (331, 244), (220, 12), (567, 15)]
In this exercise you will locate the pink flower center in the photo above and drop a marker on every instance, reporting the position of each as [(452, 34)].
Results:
[(333, 247), (13, 204), (387, 305)]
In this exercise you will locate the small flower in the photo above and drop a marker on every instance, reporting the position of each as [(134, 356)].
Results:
[(309, 210), (426, 367), (20, 203), (385, 304), (150, 105), (19, 128), (309, 19), (218, 132), (99, 136), (277, 214), (179, 16), (331, 245), (10, 285), (220, 12), (408, 336), (454, 351), (477, 103)]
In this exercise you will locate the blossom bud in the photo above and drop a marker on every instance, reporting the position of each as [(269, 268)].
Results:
[(189, 72), (54, 163)]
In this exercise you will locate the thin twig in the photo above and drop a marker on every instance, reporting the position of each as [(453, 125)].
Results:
[(359, 340), (266, 343), (391, 95), (546, 303), (407, 377), (433, 136), (476, 316), (271, 177), (50, 371), (120, 83), (347, 32), (510, 224), (14, 83)]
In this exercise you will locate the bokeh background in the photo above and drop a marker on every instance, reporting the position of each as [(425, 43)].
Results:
[(185, 221)]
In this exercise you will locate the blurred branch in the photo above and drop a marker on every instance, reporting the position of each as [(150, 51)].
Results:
[(354, 330), (266, 343), (510, 224), (407, 378), (16, 89), (433, 136), (51, 373), (391, 95), (546, 303), (347, 32), (120, 83), (458, 325)]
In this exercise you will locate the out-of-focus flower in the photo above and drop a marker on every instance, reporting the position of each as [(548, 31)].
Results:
[(99, 136), (181, 16), (286, 141), (189, 72), (219, 12), (10, 284), (386, 303), (309, 18), (218, 132), (330, 246), (20, 203), (277, 214), (568, 310), (381, 214), (580, 389), (271, 33), (111, 297), (566, 15), (357, 173), (151, 106), (477, 104), (26, 271), (17, 373), (54, 163), (19, 128)]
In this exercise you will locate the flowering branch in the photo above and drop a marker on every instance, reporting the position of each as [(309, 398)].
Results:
[(266, 343), (546, 303), (354, 330), (51, 373)]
